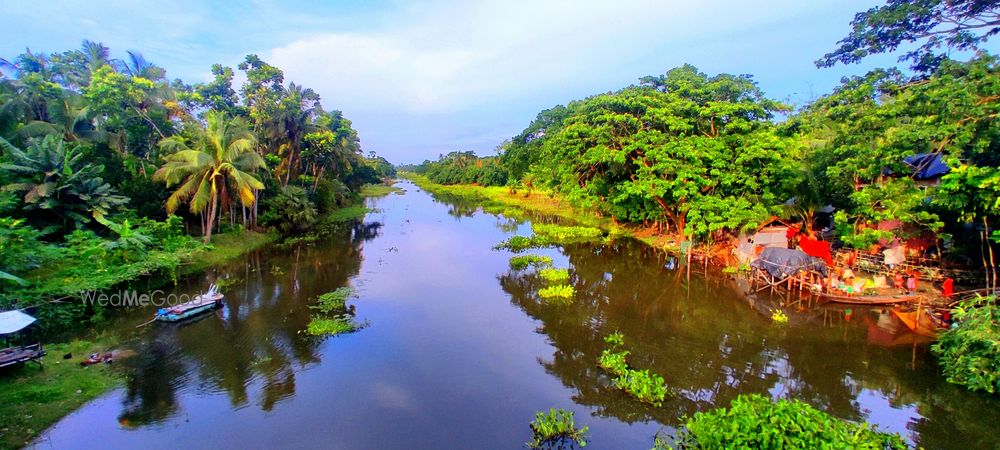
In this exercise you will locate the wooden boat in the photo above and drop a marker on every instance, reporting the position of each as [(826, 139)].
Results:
[(870, 299), (920, 321), (208, 301)]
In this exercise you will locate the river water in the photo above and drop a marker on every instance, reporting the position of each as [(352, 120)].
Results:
[(459, 352)]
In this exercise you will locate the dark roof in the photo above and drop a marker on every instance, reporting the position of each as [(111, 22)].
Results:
[(927, 166)]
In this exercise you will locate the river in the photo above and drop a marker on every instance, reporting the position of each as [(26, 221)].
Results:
[(459, 352)]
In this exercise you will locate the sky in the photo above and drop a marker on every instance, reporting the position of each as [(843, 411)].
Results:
[(419, 79)]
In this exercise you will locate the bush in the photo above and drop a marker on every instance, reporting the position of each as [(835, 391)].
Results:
[(754, 421), (969, 352), (290, 211), (556, 429), (330, 194)]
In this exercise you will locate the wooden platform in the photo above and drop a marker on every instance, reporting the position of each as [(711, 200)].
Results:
[(18, 355)]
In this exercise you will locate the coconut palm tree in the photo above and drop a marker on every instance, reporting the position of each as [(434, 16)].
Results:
[(216, 163), (137, 66)]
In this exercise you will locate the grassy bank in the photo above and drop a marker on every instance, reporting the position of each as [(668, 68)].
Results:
[(379, 190), (32, 398), (542, 203), (225, 247)]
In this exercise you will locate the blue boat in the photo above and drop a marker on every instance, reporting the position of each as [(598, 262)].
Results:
[(208, 301)]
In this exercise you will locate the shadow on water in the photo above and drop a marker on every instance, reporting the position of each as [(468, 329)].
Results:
[(255, 338)]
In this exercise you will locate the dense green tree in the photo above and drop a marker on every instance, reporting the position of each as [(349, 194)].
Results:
[(952, 24), (216, 163)]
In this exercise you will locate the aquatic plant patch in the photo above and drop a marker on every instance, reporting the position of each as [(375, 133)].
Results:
[(322, 326), (518, 244), (644, 385), (556, 429), (521, 262), (563, 292), (333, 301), (554, 276), (754, 421), (560, 234)]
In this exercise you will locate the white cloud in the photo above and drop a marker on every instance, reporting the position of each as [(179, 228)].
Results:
[(456, 56)]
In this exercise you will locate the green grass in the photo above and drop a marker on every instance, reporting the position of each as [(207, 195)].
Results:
[(32, 398), (226, 247), (378, 190), (347, 214)]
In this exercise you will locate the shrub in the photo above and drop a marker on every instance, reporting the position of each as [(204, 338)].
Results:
[(754, 421), (555, 276), (523, 261), (969, 352), (290, 211), (555, 429)]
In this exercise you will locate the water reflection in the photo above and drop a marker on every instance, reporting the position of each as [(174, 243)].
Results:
[(711, 346), (454, 359), (255, 339)]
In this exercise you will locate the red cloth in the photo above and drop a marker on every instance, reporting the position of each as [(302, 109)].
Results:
[(949, 287), (792, 231), (819, 249)]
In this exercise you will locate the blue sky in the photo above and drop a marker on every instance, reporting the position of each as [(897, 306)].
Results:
[(419, 79)]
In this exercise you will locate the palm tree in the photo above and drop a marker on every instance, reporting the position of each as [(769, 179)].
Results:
[(293, 122), (218, 161), (137, 66)]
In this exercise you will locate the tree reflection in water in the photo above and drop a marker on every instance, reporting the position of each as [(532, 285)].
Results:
[(253, 346), (711, 346)]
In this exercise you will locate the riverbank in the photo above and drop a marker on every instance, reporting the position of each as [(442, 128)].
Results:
[(547, 204), (34, 397)]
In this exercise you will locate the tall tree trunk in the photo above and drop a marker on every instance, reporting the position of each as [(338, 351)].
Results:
[(212, 207)]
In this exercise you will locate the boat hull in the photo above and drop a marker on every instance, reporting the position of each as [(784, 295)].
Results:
[(918, 321), (189, 310), (871, 299)]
